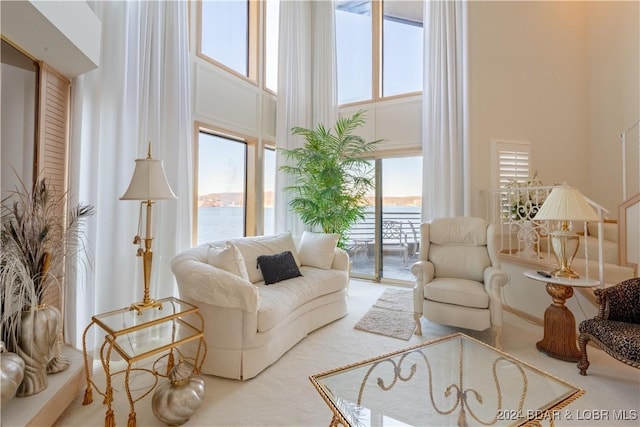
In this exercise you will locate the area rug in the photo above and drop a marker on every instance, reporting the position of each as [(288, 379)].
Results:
[(391, 315)]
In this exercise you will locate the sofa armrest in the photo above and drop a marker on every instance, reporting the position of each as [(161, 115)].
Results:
[(199, 281), (340, 260), (424, 272)]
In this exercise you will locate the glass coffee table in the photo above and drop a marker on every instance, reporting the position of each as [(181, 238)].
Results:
[(453, 380)]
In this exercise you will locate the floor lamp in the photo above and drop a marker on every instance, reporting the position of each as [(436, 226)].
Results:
[(149, 183), (565, 204)]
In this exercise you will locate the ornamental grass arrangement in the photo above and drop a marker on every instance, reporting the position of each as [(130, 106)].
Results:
[(39, 234)]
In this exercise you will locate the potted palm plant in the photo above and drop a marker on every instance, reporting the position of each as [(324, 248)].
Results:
[(331, 175), (39, 233)]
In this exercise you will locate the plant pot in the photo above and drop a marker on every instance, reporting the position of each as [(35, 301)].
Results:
[(176, 400), (38, 334), (12, 372)]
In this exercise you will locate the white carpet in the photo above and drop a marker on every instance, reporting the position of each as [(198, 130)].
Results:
[(282, 395)]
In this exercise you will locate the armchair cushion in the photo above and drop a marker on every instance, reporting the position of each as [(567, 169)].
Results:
[(462, 292), (620, 338), (459, 261)]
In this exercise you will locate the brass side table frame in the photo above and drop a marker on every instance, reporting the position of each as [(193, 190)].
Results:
[(139, 335)]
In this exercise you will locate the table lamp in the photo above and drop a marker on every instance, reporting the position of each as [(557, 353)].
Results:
[(565, 204), (148, 183)]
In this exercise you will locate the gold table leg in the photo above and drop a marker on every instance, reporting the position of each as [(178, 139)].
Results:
[(559, 339)]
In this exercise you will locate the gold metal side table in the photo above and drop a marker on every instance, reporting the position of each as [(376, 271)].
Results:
[(136, 336)]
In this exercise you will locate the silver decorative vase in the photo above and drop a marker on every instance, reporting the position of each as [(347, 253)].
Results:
[(12, 372), (177, 399), (39, 330)]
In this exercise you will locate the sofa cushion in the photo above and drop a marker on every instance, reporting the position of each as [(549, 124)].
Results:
[(317, 249), (228, 258), (278, 267), (252, 247), (279, 300)]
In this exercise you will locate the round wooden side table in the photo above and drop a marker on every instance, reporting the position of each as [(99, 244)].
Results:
[(559, 340)]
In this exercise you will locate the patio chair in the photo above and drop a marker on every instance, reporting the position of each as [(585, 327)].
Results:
[(394, 239), (414, 245), (616, 327)]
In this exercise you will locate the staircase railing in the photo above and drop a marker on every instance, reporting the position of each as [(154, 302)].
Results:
[(521, 237), (629, 233)]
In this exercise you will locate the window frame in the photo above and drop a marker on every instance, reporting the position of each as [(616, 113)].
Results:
[(377, 24), (253, 48), (251, 174)]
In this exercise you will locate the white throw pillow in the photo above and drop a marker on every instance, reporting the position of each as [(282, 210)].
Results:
[(229, 259), (252, 247), (316, 249)]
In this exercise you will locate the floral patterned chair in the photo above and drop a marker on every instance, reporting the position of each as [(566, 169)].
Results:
[(616, 327)]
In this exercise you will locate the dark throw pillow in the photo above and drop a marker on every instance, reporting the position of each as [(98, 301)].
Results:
[(278, 267)]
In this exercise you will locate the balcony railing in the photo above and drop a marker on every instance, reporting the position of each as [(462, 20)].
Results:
[(398, 236)]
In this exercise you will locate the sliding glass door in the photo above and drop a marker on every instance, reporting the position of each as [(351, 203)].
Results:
[(385, 244)]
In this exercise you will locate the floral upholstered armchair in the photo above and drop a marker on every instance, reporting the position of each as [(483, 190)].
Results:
[(616, 327)]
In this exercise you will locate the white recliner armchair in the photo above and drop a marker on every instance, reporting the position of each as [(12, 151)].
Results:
[(458, 276)]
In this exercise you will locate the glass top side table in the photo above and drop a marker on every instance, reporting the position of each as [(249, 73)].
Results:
[(138, 335)]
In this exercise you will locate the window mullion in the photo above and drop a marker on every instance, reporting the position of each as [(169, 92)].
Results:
[(376, 45)]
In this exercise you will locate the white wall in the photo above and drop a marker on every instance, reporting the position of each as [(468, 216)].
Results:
[(613, 89), (527, 81)]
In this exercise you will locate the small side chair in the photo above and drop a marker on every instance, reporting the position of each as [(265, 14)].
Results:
[(616, 327)]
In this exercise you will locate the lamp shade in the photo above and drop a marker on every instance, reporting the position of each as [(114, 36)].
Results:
[(149, 182), (566, 204)]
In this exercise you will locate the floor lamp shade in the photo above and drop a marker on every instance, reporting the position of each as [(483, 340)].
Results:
[(148, 183), (565, 204)]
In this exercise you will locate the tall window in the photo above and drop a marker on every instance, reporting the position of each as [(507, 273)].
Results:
[(354, 43), (221, 188), (402, 40), (271, 37), (229, 34), (379, 48)]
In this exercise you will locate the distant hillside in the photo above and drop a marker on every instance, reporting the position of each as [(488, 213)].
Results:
[(236, 199)]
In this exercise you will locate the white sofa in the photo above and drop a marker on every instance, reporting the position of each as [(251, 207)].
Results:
[(248, 324)]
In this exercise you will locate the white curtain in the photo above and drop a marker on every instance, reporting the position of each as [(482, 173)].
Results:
[(139, 94), (444, 129), (306, 86)]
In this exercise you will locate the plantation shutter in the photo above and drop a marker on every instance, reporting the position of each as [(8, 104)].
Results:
[(511, 162), (53, 142)]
